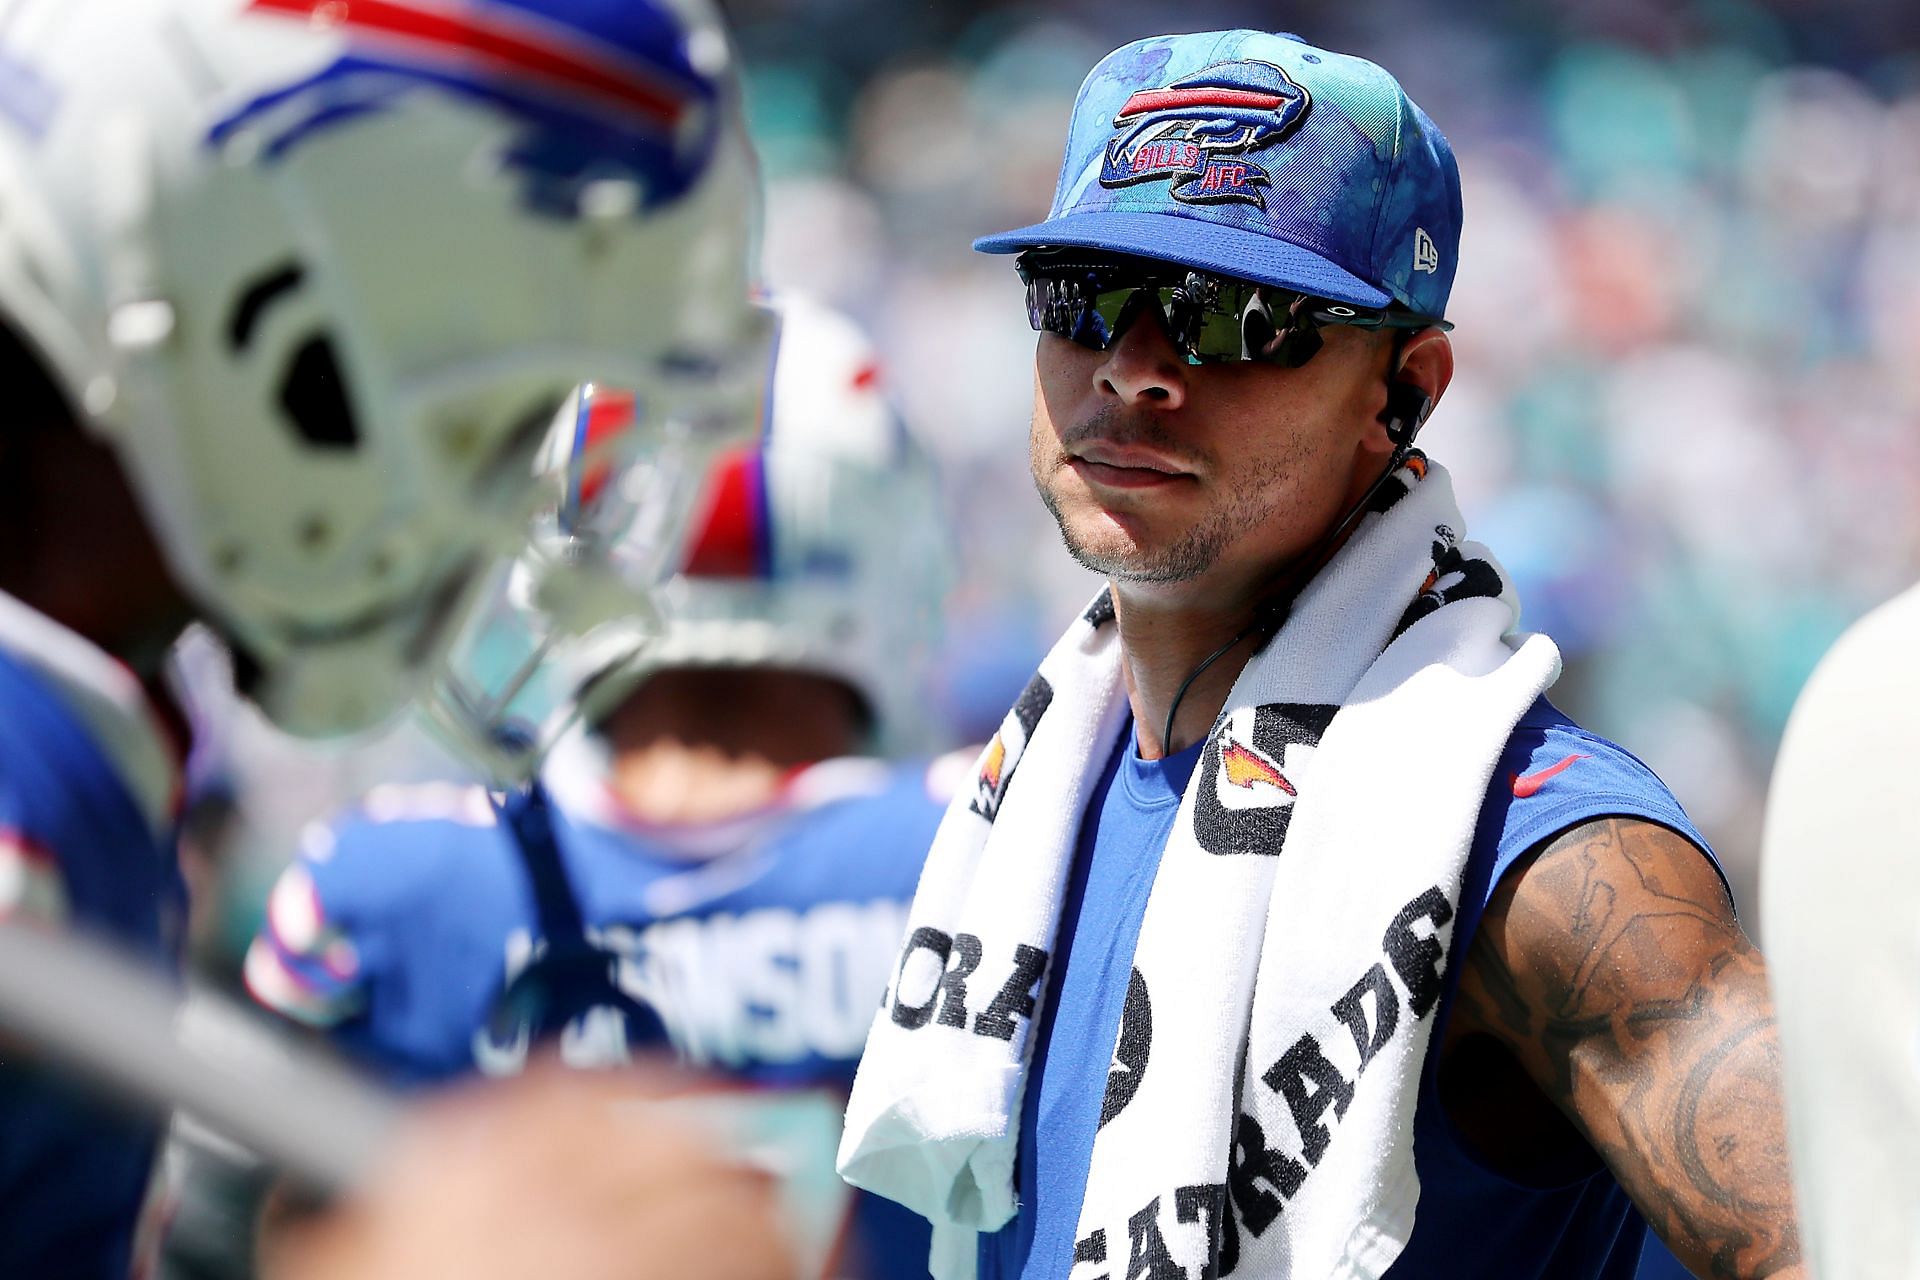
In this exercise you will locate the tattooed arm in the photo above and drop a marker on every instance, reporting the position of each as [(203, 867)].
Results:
[(1611, 968)]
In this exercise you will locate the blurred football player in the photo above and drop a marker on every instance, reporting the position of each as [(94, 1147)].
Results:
[(722, 854), (289, 293)]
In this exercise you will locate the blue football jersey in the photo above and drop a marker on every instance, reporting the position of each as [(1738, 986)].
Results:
[(760, 947), (82, 847)]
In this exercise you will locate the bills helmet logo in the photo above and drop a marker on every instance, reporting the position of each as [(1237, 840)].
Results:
[(1251, 773), (1009, 744), (1197, 132), (592, 93)]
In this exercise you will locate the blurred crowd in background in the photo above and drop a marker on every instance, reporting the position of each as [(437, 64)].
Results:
[(1688, 339)]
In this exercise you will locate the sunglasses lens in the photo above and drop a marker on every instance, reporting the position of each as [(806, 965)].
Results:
[(1073, 307), (1122, 307), (1210, 320), (1258, 337), (1057, 305), (1220, 337), (1206, 319)]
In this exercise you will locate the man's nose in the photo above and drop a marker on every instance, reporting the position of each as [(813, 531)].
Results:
[(1143, 366)]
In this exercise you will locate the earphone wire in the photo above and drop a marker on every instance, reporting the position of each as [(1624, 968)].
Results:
[(1271, 614)]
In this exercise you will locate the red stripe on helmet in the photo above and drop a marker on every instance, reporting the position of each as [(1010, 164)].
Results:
[(495, 42), (729, 538), (608, 414)]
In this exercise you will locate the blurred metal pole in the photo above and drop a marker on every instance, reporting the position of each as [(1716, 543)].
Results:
[(114, 1021)]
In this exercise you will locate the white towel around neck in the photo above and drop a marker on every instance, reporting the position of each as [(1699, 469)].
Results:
[(1259, 1114)]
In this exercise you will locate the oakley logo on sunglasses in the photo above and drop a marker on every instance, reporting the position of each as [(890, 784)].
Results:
[(1188, 132)]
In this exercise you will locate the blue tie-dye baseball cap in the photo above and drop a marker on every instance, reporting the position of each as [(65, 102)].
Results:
[(1258, 156)]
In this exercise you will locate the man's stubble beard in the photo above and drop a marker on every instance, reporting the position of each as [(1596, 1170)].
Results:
[(1183, 560), (1258, 492)]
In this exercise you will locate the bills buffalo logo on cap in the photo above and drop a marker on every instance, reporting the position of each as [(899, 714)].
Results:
[(1251, 773), (1009, 744), (1197, 131)]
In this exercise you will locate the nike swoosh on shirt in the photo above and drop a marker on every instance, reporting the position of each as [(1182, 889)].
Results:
[(1525, 785)]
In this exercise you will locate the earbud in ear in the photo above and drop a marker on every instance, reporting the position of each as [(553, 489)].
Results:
[(1406, 412)]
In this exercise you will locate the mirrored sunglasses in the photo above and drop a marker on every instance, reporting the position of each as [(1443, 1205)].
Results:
[(1210, 319)]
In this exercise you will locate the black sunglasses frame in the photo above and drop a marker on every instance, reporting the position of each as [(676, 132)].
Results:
[(1064, 288)]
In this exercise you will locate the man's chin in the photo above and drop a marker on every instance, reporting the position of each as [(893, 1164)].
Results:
[(1124, 559), (1122, 545)]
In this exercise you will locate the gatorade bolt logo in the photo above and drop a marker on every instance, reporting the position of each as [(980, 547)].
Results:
[(1009, 744), (1101, 611), (1251, 773)]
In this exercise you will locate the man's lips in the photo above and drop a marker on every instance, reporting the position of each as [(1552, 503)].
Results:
[(1125, 467)]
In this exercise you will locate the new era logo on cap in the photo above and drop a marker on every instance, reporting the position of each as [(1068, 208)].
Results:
[(1261, 157), (1426, 254)]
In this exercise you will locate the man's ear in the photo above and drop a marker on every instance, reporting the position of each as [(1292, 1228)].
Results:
[(1425, 367), (1426, 360)]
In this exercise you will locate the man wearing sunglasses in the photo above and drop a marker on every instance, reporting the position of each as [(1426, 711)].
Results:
[(1290, 929)]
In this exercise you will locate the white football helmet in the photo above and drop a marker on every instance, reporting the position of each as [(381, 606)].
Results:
[(322, 271), (826, 550)]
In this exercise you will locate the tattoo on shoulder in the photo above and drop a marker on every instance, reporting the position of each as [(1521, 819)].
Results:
[(1612, 967)]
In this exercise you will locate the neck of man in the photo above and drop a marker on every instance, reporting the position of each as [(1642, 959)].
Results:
[(1168, 631), (1184, 644), (1163, 641), (705, 744), (83, 555)]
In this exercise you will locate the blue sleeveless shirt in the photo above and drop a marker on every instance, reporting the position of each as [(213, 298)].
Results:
[(1473, 1223)]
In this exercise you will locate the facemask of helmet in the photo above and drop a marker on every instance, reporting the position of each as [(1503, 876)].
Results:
[(621, 480), (821, 550), (323, 273)]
